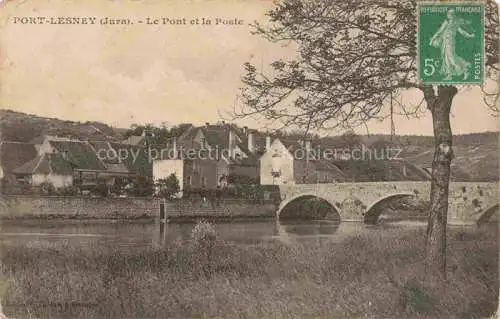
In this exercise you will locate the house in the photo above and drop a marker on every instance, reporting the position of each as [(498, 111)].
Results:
[(64, 161), (123, 162), (292, 161), (196, 168), (254, 143), (12, 155), (207, 156), (276, 164), (51, 168), (61, 161), (223, 138)]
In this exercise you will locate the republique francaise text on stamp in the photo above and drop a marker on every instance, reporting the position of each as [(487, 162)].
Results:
[(450, 43)]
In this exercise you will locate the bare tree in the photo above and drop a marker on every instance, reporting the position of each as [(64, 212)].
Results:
[(352, 57)]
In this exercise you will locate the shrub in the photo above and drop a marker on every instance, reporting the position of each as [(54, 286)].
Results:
[(168, 187), (68, 191), (203, 234), (47, 188)]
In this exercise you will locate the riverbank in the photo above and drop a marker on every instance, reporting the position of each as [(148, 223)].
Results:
[(364, 276)]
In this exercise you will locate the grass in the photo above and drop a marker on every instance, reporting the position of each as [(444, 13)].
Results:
[(364, 277)]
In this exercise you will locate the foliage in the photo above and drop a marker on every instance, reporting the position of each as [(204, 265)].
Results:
[(142, 186), (243, 180), (157, 136), (349, 140), (47, 188), (68, 191), (168, 187), (119, 186), (337, 80), (203, 234), (101, 189)]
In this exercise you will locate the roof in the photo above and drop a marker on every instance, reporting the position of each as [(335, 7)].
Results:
[(117, 168), (216, 135), (38, 140), (134, 140), (186, 139), (259, 142), (381, 170), (80, 154), (252, 161), (325, 166), (13, 154), (103, 150), (46, 164), (137, 158)]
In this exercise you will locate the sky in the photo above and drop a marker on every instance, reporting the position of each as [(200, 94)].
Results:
[(136, 74)]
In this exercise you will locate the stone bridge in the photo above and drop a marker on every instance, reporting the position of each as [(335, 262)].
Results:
[(469, 203)]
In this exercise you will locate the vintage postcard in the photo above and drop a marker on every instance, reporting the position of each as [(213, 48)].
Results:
[(249, 159)]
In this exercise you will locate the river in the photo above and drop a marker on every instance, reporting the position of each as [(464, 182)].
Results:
[(143, 234)]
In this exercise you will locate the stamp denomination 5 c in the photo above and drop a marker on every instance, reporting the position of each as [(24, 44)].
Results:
[(450, 43)]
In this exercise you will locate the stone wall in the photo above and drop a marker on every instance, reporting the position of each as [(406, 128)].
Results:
[(229, 208), (76, 207), (26, 207)]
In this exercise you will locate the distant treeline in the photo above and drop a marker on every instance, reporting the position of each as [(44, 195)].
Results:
[(21, 127)]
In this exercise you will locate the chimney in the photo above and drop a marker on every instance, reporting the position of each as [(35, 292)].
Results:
[(308, 146), (268, 143), (174, 147), (245, 130), (250, 145), (231, 143)]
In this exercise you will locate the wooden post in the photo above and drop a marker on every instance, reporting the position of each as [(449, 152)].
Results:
[(162, 211), (162, 233)]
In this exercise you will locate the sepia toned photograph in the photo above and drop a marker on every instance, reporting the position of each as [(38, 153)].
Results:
[(249, 159)]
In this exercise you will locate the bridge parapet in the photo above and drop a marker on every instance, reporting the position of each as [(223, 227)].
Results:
[(467, 201)]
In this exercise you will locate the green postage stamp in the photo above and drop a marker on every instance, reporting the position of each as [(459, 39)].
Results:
[(450, 42)]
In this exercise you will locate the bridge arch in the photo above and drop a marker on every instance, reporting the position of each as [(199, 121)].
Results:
[(371, 214), (286, 202), (486, 215)]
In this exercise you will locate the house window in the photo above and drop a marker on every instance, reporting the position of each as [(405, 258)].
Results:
[(23, 180), (276, 163), (203, 181), (203, 142), (304, 179), (189, 180)]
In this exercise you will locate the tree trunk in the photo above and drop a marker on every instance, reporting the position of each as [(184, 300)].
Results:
[(439, 106)]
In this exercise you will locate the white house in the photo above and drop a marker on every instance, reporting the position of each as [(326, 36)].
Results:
[(164, 168), (276, 164)]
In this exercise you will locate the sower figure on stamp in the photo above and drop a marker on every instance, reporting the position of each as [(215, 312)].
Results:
[(445, 39)]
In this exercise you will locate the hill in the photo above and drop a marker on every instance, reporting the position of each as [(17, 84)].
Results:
[(21, 127), (476, 154)]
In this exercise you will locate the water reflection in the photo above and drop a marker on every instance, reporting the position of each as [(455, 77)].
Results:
[(126, 235), (310, 228)]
